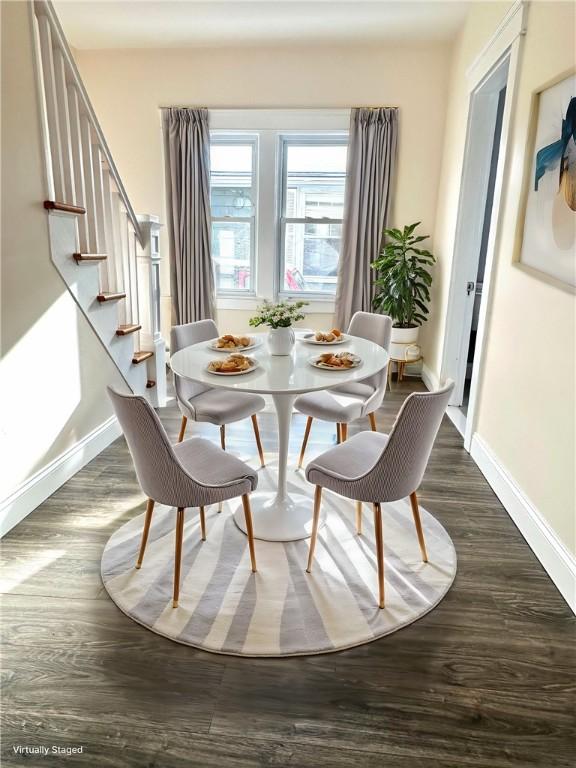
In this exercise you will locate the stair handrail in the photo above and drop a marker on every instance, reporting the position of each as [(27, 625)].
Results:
[(45, 7)]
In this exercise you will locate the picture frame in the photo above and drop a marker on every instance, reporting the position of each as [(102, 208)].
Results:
[(546, 230)]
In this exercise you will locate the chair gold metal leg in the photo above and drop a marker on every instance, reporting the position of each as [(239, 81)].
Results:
[(338, 434), (223, 437), (147, 521), (372, 418), (249, 530), (178, 555), (203, 523), (182, 428), (418, 524), (315, 520), (379, 552), (258, 441), (344, 432), (359, 518), (305, 441)]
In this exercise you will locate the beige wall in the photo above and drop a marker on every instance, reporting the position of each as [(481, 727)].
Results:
[(128, 86), (526, 407), (52, 368)]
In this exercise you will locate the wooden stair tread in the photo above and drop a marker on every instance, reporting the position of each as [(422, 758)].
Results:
[(124, 330), (80, 257), (139, 357), (54, 205), (110, 296)]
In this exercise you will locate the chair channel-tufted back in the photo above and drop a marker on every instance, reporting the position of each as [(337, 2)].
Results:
[(401, 467), (159, 472), (376, 328), (182, 336)]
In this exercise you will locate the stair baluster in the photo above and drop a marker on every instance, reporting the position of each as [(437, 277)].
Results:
[(106, 243)]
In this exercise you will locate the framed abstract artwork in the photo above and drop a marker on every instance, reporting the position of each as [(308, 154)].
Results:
[(548, 242)]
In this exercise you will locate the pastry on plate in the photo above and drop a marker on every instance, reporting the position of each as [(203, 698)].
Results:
[(329, 337), (229, 341), (341, 360), (231, 364)]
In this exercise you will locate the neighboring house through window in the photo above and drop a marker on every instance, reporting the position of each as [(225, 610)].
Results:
[(233, 201), (312, 203)]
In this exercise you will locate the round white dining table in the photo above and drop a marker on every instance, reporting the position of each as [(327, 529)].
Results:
[(278, 515)]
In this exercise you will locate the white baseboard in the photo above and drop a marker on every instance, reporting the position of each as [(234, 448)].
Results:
[(46, 481), (429, 378), (559, 563)]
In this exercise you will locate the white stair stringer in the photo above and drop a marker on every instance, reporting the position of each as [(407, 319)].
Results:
[(83, 282)]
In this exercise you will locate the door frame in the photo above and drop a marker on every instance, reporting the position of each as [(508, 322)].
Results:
[(505, 45), (475, 182)]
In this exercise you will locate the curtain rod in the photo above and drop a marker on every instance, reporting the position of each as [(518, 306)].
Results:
[(279, 109)]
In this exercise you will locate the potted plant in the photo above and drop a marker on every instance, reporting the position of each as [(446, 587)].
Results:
[(403, 286), (279, 318)]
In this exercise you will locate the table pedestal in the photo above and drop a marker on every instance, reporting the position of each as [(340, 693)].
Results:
[(275, 519), (280, 516)]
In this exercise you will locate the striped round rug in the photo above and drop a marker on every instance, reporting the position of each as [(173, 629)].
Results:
[(281, 610)]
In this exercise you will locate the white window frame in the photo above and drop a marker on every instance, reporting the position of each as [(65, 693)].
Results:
[(299, 140), (269, 125), (230, 139)]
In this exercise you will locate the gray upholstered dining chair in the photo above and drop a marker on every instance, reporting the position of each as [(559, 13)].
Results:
[(194, 473), (351, 401), (199, 402), (376, 468)]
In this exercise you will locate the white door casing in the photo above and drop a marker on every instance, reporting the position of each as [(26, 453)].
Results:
[(504, 48)]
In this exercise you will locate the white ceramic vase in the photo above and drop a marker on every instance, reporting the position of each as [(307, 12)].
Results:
[(281, 341), (402, 339)]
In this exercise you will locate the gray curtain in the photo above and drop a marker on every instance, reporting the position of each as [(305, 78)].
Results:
[(187, 162), (369, 177)]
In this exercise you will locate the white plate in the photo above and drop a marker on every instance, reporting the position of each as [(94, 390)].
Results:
[(254, 342), (253, 367), (308, 338), (314, 361)]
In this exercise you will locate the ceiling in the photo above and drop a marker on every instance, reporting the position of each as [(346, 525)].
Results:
[(188, 23)]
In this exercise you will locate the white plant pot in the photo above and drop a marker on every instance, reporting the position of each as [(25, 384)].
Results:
[(402, 343), (281, 341)]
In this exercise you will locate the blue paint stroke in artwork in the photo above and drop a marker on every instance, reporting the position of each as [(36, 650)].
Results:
[(556, 153)]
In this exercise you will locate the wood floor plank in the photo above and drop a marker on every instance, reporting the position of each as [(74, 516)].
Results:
[(486, 680), (422, 723), (153, 747)]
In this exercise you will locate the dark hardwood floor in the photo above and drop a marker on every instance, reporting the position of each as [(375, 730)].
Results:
[(485, 680)]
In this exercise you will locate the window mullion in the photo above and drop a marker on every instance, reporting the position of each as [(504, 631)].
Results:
[(308, 220), (266, 234)]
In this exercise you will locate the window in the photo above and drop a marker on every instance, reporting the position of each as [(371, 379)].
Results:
[(277, 197), (233, 206), (312, 204)]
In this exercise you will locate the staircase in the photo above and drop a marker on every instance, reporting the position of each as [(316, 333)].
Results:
[(107, 256)]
